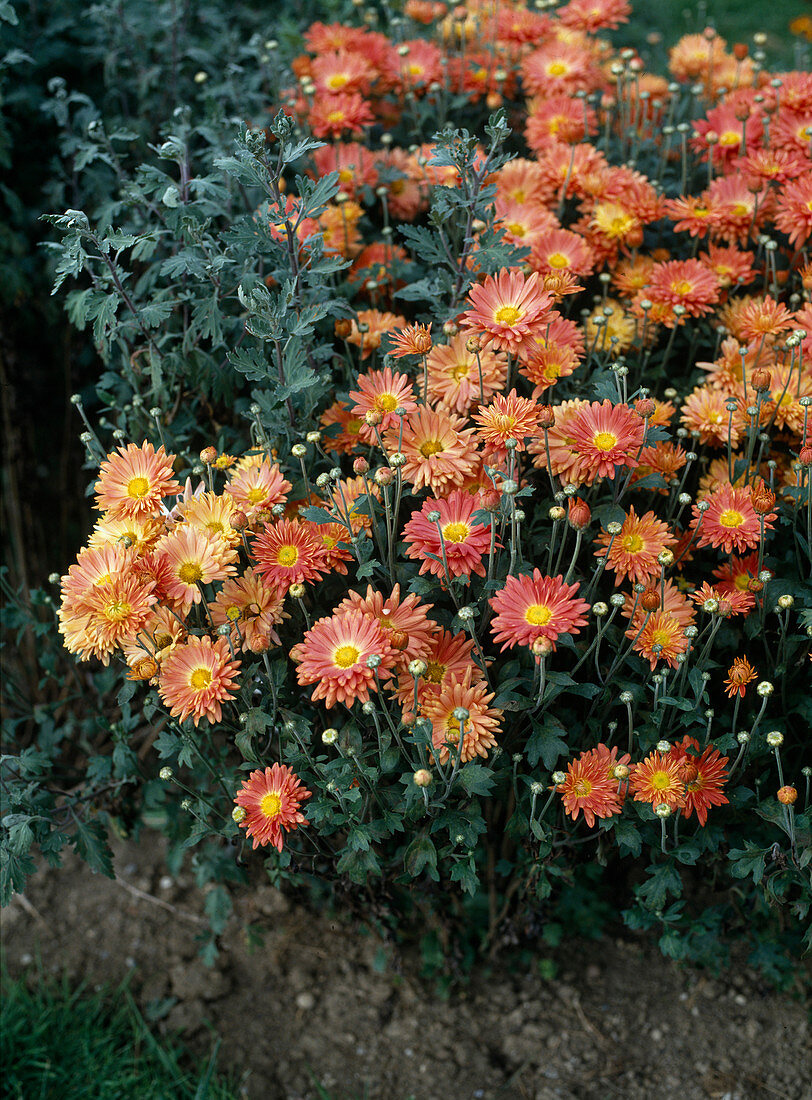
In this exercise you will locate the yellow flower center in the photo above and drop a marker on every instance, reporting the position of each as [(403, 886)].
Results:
[(661, 637), (190, 572), (162, 641), (507, 315), (661, 781), (460, 371), (538, 614), (581, 788), (503, 423), (255, 495), (270, 804), (137, 487), (200, 679), (287, 555), (338, 80), (456, 532), (353, 427), (557, 68), (604, 441), (431, 447), (335, 116), (117, 610), (558, 259), (435, 672), (215, 526), (346, 656), (345, 175), (387, 402), (730, 137), (612, 220), (233, 613), (742, 582), (731, 518), (632, 544), (517, 229), (682, 287), (415, 70)]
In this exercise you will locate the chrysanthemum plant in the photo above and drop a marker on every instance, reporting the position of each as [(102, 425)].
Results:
[(456, 606)]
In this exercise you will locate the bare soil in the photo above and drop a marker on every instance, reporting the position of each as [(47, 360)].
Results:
[(320, 1001)]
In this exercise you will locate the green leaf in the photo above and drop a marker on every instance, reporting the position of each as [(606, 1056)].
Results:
[(476, 779), (546, 743), (465, 874), (664, 881), (90, 843), (421, 855), (218, 908), (749, 860), (627, 837)]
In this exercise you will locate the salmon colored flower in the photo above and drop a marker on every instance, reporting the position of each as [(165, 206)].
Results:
[(454, 374), (448, 658), (589, 789), (605, 436), (508, 416), (794, 213), (137, 532), (211, 515), (333, 656), (704, 411), (404, 620), (345, 439), (704, 775), (331, 116), (729, 603), (439, 450), (288, 552), (632, 554), (594, 15), (252, 607), (257, 486), (739, 675), (134, 481), (192, 560), (660, 638), (731, 521), (335, 546), (562, 250), (412, 340), (687, 283), (763, 317), (657, 781), (478, 730), (509, 310), (464, 542), (271, 800), (197, 677), (341, 71), (381, 392), (531, 607), (371, 325)]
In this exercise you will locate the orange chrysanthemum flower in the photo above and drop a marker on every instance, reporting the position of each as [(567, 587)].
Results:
[(739, 675), (657, 781), (271, 800), (454, 374), (704, 776), (730, 603), (763, 317), (193, 559), (253, 608), (381, 392), (211, 514), (330, 116), (137, 532), (589, 789), (448, 658), (342, 428), (257, 486), (730, 522), (439, 451), (561, 250), (412, 340), (371, 325), (633, 553), (704, 411), (404, 621), (197, 677), (662, 638), (479, 729), (508, 416), (288, 553), (687, 283), (464, 542), (531, 607), (333, 655), (135, 481), (605, 436), (509, 309)]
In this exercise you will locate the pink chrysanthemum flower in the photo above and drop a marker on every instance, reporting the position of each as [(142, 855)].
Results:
[(333, 115), (381, 392), (197, 677), (794, 214), (448, 658), (258, 486), (686, 283), (404, 620), (335, 546), (509, 309), (253, 609), (534, 607), (479, 729), (594, 15), (439, 451), (288, 553), (605, 436), (731, 521), (730, 603), (134, 481), (633, 553), (193, 559), (271, 800), (333, 655), (464, 542), (508, 416)]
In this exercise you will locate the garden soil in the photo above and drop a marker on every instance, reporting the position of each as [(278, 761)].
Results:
[(319, 1001)]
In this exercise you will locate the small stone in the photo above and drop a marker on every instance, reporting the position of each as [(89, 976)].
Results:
[(166, 882), (305, 1001)]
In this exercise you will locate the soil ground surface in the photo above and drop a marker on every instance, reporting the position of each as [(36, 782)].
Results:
[(315, 1003)]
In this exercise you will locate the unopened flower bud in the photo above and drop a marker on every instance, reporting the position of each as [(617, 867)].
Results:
[(626, 697), (787, 796), (743, 737), (775, 739), (650, 600), (384, 476), (208, 455), (238, 815), (663, 810), (297, 590), (559, 778), (665, 558), (165, 774), (298, 450), (556, 513), (760, 380), (579, 514), (546, 417), (620, 771), (238, 520), (785, 602), (600, 609), (373, 418), (398, 639), (765, 688), (360, 466), (417, 668), (663, 746), (762, 498), (422, 777), (645, 408), (330, 736), (541, 647)]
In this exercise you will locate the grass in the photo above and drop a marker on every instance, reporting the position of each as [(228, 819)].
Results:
[(63, 1043)]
